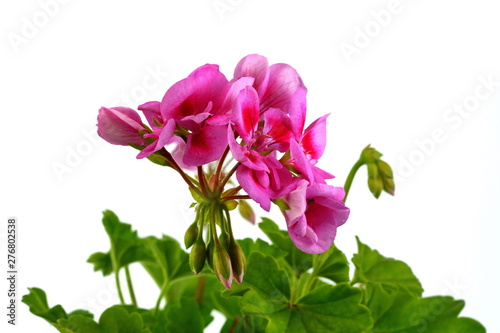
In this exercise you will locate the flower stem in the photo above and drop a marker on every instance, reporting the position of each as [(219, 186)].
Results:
[(202, 181), (130, 287), (234, 325), (228, 176), (162, 292), (200, 289), (350, 177), (236, 197), (118, 287), (219, 167)]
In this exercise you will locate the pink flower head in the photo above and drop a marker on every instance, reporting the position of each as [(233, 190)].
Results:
[(316, 210), (120, 126), (198, 106), (275, 84)]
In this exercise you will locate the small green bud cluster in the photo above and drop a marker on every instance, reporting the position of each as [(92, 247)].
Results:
[(380, 176), (212, 241)]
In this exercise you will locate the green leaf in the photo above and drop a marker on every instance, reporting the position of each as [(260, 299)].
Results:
[(384, 278), (372, 267), (184, 316), (331, 309), (248, 246), (245, 324), (169, 262), (299, 261), (37, 302), (332, 265), (118, 320), (78, 324), (83, 313), (126, 247), (102, 262), (438, 314), (326, 309)]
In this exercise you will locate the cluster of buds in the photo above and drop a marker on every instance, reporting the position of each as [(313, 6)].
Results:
[(380, 176), (257, 118)]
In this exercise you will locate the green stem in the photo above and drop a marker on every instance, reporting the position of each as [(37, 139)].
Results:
[(130, 286), (309, 284), (350, 177), (200, 288), (163, 290), (118, 287), (228, 176)]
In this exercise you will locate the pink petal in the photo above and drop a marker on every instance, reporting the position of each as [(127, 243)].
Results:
[(151, 111), (238, 151), (297, 111), (219, 120), (283, 83), (164, 136), (248, 179), (206, 145), (314, 140), (255, 66), (300, 162), (277, 129), (234, 91), (246, 113), (327, 191), (296, 200), (191, 95)]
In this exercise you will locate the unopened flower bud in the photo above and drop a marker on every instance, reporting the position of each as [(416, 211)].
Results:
[(222, 265), (238, 261), (191, 235), (246, 211), (198, 256), (376, 186), (210, 254), (372, 170), (389, 185), (384, 169), (370, 154), (224, 240)]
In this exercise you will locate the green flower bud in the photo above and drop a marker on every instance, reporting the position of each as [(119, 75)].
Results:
[(222, 265), (384, 169), (369, 155), (210, 254), (376, 186), (198, 256), (372, 170), (389, 185), (238, 261), (224, 240), (246, 211), (191, 235)]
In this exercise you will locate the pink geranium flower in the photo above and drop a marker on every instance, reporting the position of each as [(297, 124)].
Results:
[(199, 105), (316, 211)]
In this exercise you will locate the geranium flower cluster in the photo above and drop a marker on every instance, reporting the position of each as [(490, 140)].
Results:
[(258, 119)]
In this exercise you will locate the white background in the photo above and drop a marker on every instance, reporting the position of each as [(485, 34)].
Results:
[(394, 92)]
